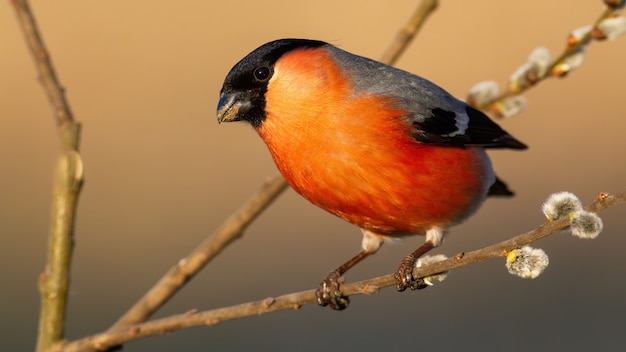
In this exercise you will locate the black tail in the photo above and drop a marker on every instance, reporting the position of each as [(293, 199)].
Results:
[(500, 189)]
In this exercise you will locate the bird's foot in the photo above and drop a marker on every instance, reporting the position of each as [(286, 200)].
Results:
[(404, 276), (328, 293)]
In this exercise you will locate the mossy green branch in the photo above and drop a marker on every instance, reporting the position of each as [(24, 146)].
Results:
[(54, 281)]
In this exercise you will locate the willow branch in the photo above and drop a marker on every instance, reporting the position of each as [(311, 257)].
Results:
[(54, 281), (232, 227), (297, 299), (569, 50)]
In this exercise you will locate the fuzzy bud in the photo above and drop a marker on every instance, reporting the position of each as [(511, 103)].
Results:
[(526, 262), (519, 79), (509, 107), (569, 64), (540, 61), (585, 224), (579, 35), (483, 93), (429, 259), (560, 204), (532, 71), (610, 28)]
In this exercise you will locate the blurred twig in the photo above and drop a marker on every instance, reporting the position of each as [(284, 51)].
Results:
[(407, 33), (54, 281), (47, 75), (297, 299), (232, 227)]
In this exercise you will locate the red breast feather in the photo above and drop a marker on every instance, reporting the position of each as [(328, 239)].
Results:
[(352, 154)]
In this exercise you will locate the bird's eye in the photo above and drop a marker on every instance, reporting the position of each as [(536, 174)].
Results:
[(262, 73)]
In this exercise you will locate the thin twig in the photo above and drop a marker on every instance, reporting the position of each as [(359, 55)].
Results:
[(297, 299), (231, 229), (54, 281), (407, 33), (47, 74)]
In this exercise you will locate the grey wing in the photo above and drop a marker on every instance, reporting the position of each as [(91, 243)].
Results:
[(435, 115)]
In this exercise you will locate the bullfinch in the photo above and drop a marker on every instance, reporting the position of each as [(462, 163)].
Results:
[(381, 148)]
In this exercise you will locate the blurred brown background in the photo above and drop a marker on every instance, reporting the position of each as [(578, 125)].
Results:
[(143, 77)]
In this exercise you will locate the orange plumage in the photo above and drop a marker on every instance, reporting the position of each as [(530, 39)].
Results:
[(351, 167), (381, 148)]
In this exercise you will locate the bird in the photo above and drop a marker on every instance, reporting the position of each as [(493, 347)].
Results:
[(377, 146)]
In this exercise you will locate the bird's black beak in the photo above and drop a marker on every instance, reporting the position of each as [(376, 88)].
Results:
[(231, 107)]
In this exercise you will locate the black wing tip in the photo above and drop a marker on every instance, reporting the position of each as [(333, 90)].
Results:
[(483, 130), (508, 141)]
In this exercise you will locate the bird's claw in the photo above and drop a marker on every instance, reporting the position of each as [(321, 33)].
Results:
[(328, 293), (404, 277)]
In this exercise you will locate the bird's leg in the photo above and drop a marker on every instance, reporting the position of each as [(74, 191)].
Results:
[(328, 293), (404, 274)]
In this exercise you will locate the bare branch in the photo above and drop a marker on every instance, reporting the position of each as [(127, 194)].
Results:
[(408, 32), (47, 75), (54, 282), (296, 300)]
